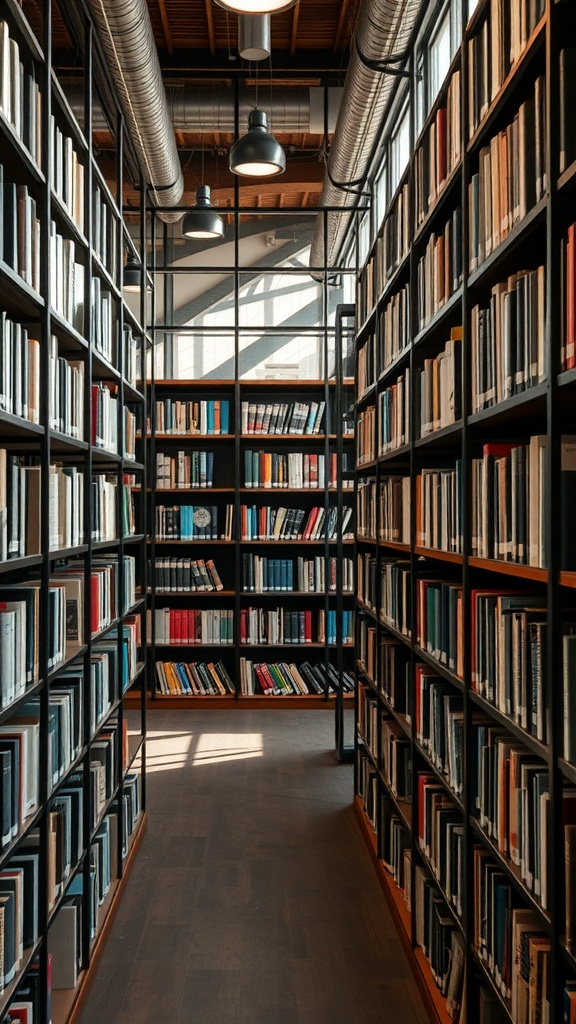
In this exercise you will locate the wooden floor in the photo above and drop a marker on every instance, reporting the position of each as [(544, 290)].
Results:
[(253, 899)]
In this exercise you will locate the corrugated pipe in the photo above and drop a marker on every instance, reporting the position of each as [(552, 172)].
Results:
[(125, 33), (382, 35), (195, 108)]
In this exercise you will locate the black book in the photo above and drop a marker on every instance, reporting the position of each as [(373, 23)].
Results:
[(567, 93), (6, 809)]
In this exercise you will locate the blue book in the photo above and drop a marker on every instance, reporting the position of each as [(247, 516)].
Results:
[(210, 417), (224, 416)]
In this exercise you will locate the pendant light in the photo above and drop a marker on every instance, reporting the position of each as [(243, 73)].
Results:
[(257, 154), (132, 275), (256, 6), (254, 36), (203, 221)]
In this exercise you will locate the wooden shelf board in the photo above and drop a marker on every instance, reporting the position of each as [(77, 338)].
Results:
[(526, 572), (434, 1002), (73, 1001), (443, 556)]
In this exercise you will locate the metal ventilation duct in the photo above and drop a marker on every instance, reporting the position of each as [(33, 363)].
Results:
[(383, 35), (195, 108), (125, 34)]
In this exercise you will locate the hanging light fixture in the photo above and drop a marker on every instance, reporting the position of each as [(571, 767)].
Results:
[(203, 221), (132, 275), (257, 154), (254, 36), (256, 6)]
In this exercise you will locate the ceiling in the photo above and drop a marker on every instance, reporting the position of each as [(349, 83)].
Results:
[(197, 44)]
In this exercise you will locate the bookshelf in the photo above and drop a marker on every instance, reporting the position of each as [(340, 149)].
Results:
[(464, 559), (72, 537), (275, 575), (256, 423)]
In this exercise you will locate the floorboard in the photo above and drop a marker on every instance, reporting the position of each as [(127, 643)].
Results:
[(253, 899)]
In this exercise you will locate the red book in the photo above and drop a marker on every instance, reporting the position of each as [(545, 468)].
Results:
[(498, 449), (95, 602), (571, 298), (308, 627), (243, 629), (310, 523), (217, 416), (423, 781), (270, 685)]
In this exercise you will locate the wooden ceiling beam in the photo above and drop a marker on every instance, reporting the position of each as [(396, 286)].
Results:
[(341, 22), (165, 26), (210, 24), (305, 198), (294, 33)]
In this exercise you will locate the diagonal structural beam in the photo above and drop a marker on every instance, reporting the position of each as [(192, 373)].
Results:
[(166, 26), (210, 24), (294, 33), (341, 22)]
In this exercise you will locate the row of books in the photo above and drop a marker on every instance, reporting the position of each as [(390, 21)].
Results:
[(19, 369), (195, 678), (267, 523), (178, 416), (282, 418), (507, 339), (105, 507), (305, 575), (508, 656), (366, 508), (510, 940), (104, 425), (193, 522), (494, 49), (175, 575), (394, 328), (439, 386), (292, 469), (21, 230), (438, 511), (366, 641), (67, 174), (441, 837), (184, 470), (439, 621), (104, 231), (511, 795), (394, 414), (366, 365), (393, 510), (508, 487), (394, 601), (19, 887), (394, 676), (440, 150), (285, 626), (439, 724), (439, 272), (391, 247), (366, 435), (66, 393), (67, 279), (189, 626), (284, 679), (20, 95), (19, 506), (132, 356), (104, 323), (510, 180)]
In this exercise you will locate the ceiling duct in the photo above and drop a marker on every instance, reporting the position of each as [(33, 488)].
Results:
[(125, 35), (382, 37), (194, 108)]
